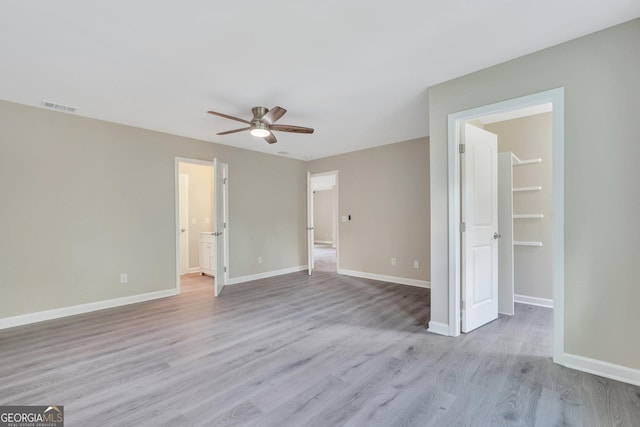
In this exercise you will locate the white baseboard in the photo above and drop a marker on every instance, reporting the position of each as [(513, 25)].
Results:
[(194, 270), (41, 316), (438, 328), (603, 369), (540, 302), (242, 279), (391, 279)]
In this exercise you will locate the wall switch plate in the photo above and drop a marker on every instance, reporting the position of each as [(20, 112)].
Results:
[(206, 220), (344, 218), (259, 260), (416, 264), (124, 278), (393, 261)]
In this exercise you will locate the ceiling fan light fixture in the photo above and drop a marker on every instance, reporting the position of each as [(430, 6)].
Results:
[(259, 129), (260, 133)]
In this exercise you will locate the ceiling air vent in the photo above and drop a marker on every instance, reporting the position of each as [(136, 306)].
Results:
[(59, 107)]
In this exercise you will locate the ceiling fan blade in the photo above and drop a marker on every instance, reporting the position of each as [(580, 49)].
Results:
[(271, 138), (291, 128), (273, 115), (226, 116), (232, 131)]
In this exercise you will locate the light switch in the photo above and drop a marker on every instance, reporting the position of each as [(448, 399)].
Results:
[(344, 218)]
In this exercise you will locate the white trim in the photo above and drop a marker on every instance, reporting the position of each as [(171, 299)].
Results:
[(383, 278), (184, 176), (540, 302), (336, 212), (195, 270), (177, 161), (454, 120), (603, 369), (41, 316), (438, 328), (323, 242), (528, 216), (251, 277)]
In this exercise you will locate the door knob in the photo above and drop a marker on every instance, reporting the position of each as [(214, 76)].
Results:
[(497, 236)]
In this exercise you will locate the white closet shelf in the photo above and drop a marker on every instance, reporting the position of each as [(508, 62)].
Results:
[(519, 243), (518, 162), (528, 216), (536, 188)]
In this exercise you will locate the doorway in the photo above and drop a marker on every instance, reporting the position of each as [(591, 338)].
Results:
[(201, 224), (457, 121), (323, 221)]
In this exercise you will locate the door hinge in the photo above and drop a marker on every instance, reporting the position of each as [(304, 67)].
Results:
[(225, 268), (461, 148), (462, 305), (225, 225), (463, 227), (224, 181)]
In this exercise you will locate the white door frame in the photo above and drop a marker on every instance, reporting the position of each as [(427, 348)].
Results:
[(335, 213), (455, 120), (221, 170), (310, 231), (185, 177), (179, 160)]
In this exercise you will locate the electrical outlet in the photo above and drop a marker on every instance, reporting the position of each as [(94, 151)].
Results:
[(416, 264), (259, 260), (124, 278), (393, 261)]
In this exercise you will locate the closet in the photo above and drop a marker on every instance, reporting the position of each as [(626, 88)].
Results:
[(509, 222)]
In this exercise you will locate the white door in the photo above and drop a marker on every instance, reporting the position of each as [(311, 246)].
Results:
[(220, 209), (505, 225), (309, 224), (479, 245), (183, 221)]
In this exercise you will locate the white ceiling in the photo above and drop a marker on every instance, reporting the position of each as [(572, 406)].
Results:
[(357, 71)]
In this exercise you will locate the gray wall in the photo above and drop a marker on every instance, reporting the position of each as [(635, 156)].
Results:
[(530, 138), (602, 90), (386, 192), (85, 200)]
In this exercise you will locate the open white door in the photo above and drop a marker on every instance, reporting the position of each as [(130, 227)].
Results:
[(220, 209), (479, 214), (309, 224), (183, 222), (505, 225)]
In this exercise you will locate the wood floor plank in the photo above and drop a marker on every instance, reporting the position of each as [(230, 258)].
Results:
[(295, 350)]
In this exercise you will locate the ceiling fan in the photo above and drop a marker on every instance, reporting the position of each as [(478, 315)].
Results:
[(263, 123)]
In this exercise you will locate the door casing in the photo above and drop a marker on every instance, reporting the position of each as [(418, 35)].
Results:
[(179, 160), (455, 121), (335, 213)]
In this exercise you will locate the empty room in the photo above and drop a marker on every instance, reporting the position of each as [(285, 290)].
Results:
[(319, 214)]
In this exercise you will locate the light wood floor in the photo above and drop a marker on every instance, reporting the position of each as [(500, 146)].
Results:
[(299, 351)]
